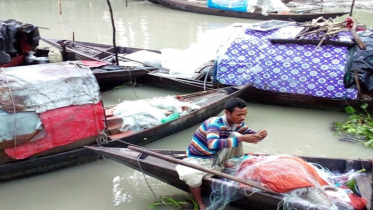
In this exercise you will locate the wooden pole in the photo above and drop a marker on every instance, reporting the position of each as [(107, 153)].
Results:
[(352, 7), (112, 23), (201, 168), (59, 4), (359, 42)]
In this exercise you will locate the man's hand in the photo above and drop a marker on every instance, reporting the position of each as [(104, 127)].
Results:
[(250, 138), (262, 133), (253, 138)]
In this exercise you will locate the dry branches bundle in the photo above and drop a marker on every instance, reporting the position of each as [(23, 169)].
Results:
[(325, 29)]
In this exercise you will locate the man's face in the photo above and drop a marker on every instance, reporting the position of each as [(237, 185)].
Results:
[(237, 116)]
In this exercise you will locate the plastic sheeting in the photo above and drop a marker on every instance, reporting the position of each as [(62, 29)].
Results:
[(362, 61), (48, 86), (250, 57), (63, 126), (8, 38), (17, 124)]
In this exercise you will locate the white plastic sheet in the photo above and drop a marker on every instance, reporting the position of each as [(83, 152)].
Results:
[(47, 86)]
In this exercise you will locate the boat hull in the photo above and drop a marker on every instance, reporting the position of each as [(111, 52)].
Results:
[(107, 79), (203, 9), (71, 155), (165, 172), (256, 95)]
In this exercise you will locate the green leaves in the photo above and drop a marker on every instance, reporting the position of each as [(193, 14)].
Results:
[(169, 201), (353, 118), (350, 110), (359, 127)]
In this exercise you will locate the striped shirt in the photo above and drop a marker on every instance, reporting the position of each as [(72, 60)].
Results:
[(212, 136)]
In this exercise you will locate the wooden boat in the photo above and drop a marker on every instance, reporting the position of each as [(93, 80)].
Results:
[(201, 81), (201, 8), (107, 75), (253, 94), (211, 103), (165, 171)]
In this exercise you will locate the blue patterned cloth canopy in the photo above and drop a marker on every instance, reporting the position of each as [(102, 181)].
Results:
[(292, 68)]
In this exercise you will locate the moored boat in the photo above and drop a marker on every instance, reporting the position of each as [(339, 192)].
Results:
[(164, 171), (273, 83), (202, 8), (102, 60), (48, 117)]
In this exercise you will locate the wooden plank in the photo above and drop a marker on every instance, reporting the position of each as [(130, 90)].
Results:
[(365, 187)]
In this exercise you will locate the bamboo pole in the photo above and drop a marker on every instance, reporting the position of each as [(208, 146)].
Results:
[(59, 4), (352, 7), (113, 25), (201, 168)]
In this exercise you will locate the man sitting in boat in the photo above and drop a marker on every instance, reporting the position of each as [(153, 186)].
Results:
[(214, 142)]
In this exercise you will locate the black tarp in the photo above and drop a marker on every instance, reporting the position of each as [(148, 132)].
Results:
[(362, 61), (10, 31)]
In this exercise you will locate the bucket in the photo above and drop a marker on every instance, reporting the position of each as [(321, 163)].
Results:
[(54, 56)]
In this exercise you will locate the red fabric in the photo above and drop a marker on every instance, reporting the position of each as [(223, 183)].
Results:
[(24, 44), (350, 22), (288, 177), (15, 61), (94, 64), (357, 202), (63, 126)]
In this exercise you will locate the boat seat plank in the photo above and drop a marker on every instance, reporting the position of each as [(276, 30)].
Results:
[(365, 187)]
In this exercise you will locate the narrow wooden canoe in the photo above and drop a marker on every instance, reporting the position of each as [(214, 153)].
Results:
[(201, 8), (108, 76), (211, 103), (165, 172), (200, 82)]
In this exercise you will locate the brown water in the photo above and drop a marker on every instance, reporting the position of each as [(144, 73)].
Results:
[(143, 24)]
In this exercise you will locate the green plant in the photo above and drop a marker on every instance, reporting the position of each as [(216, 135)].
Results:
[(358, 128), (169, 201), (120, 87)]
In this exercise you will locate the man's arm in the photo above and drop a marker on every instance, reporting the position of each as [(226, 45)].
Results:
[(215, 142), (244, 129)]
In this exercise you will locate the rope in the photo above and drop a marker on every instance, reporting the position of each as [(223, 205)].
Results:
[(207, 75), (146, 180), (102, 137), (14, 110)]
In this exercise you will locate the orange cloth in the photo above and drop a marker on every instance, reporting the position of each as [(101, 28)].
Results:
[(287, 176)]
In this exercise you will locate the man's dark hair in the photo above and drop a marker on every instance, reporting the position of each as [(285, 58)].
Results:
[(233, 103)]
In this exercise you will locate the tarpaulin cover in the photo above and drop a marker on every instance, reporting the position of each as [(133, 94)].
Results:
[(292, 68), (10, 38), (63, 126), (20, 124), (45, 87), (362, 61)]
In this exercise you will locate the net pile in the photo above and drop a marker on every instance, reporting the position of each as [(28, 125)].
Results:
[(144, 114), (303, 185)]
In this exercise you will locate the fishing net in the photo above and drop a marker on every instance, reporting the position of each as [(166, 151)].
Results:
[(144, 114), (302, 184)]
